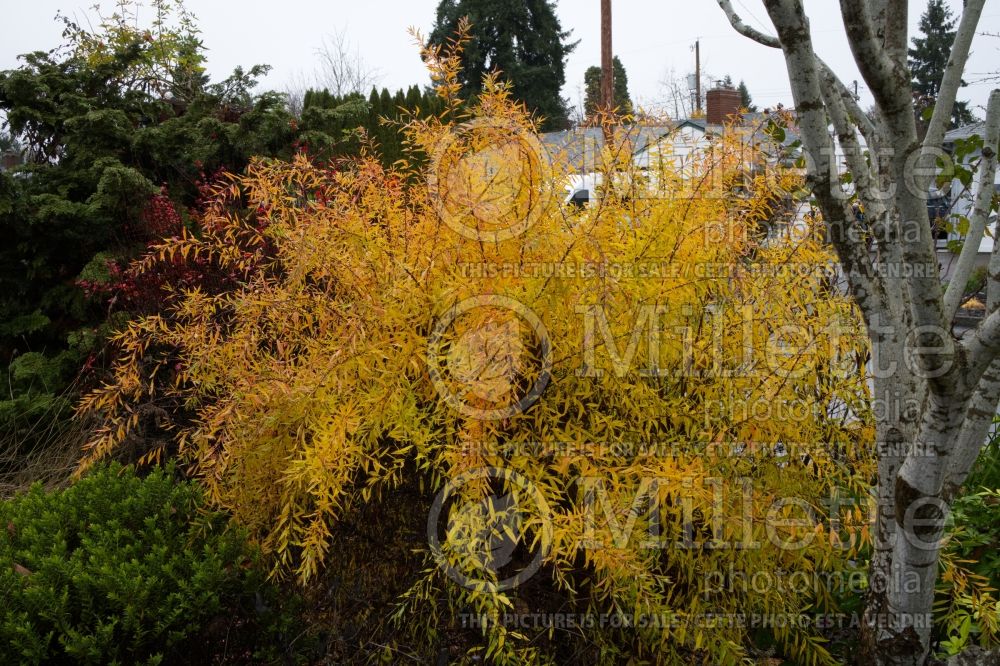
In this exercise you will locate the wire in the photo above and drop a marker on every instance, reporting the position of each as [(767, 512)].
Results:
[(703, 38), (753, 16)]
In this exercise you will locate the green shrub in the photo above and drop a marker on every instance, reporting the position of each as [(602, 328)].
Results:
[(119, 568)]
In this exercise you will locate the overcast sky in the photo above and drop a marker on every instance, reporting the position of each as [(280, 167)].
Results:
[(651, 37)]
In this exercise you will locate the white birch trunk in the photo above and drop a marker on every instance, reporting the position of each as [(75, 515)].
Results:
[(936, 395)]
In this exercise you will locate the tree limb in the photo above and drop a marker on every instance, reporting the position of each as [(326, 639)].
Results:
[(876, 212), (952, 79), (860, 118), (980, 213), (979, 413), (746, 30), (792, 26), (881, 72), (983, 345), (889, 18), (847, 136)]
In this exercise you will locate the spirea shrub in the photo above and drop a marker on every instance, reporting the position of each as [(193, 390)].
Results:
[(672, 363)]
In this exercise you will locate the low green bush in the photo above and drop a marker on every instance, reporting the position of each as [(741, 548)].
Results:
[(123, 569)]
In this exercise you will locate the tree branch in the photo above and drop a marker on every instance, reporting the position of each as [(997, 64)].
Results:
[(876, 211), (889, 18), (890, 84), (983, 345), (952, 79), (803, 66), (746, 30), (859, 117), (980, 213), (982, 406), (979, 413), (847, 136), (881, 72)]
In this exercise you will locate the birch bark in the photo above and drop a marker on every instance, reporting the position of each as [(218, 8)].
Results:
[(936, 395)]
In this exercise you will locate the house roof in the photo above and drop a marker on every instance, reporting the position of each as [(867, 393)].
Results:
[(965, 131), (580, 146)]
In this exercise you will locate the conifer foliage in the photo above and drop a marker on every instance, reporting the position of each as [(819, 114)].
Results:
[(522, 39), (380, 120), (592, 84), (929, 55)]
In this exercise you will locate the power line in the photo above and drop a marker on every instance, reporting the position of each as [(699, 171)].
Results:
[(687, 40), (753, 16)]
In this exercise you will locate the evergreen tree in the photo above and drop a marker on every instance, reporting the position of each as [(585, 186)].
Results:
[(929, 57), (746, 101), (592, 82), (118, 126), (521, 38), (335, 116), (8, 143)]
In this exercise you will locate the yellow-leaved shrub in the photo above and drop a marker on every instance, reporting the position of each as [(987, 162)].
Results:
[(670, 374)]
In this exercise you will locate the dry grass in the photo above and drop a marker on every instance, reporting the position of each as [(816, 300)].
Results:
[(50, 465), (50, 459)]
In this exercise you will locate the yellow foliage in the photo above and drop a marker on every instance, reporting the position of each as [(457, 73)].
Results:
[(470, 320)]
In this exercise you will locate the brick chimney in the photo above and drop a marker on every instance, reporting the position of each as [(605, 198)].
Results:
[(723, 105), (9, 161)]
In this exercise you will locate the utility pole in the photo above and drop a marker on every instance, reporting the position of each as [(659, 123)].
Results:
[(607, 63), (697, 77), (607, 72)]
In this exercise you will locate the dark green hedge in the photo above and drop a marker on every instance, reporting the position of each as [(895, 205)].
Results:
[(121, 569)]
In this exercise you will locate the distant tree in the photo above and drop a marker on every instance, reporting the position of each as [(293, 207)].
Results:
[(333, 115), (746, 101), (592, 83), (8, 143), (677, 96), (342, 69), (929, 57), (521, 38)]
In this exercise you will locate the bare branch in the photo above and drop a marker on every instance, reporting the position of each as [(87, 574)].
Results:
[(952, 80), (295, 91), (863, 176), (342, 69), (983, 344), (980, 213), (889, 18), (847, 135), (982, 406), (792, 26), (889, 81), (876, 211), (746, 30), (881, 72), (859, 117), (993, 276), (979, 413)]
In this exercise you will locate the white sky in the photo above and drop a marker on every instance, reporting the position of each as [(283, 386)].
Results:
[(651, 37)]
